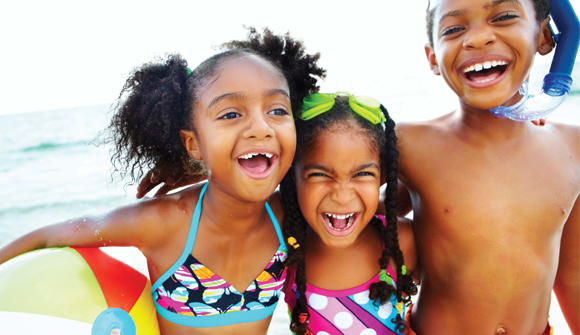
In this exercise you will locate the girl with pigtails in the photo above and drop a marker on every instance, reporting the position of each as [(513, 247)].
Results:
[(346, 146), (214, 250)]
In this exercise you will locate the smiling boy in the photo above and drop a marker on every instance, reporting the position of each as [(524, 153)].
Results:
[(496, 209)]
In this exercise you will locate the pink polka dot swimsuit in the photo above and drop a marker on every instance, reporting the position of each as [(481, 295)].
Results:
[(348, 311)]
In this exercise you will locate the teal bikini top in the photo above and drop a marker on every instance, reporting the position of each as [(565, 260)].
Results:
[(190, 294)]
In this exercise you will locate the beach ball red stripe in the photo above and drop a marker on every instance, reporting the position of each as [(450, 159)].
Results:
[(120, 283)]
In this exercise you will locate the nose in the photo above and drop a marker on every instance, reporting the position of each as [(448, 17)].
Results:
[(343, 193), (478, 36), (258, 126)]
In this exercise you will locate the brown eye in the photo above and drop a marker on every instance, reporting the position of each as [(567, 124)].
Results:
[(505, 17), (229, 115), (451, 31), (278, 111)]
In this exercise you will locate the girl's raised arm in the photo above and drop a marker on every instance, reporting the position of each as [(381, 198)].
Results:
[(136, 225)]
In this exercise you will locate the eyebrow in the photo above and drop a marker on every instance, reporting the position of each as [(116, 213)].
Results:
[(459, 12), (241, 96)]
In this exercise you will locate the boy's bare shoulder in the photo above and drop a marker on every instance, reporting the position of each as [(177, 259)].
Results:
[(409, 131), (569, 134)]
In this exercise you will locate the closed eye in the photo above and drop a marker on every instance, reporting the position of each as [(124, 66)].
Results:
[(316, 174), (365, 174)]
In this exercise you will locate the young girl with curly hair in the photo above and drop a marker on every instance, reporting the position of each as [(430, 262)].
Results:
[(346, 148), (215, 251)]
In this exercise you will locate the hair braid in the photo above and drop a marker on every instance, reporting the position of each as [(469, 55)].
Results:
[(295, 226)]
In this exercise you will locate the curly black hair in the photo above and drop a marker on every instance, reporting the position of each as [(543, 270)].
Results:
[(157, 102), (542, 8), (294, 224)]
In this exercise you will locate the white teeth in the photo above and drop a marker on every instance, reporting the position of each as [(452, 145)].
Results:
[(485, 65), (250, 155), (339, 216)]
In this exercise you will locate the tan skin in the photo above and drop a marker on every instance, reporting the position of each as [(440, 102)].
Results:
[(341, 180), (247, 108), (497, 211)]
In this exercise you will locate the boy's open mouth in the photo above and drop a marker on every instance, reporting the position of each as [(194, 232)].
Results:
[(485, 73), (340, 224), (257, 164)]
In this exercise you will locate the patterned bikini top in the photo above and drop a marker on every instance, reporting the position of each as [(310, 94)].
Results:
[(190, 294)]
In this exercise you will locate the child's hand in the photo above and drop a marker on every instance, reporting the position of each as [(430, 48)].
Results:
[(155, 177), (539, 122)]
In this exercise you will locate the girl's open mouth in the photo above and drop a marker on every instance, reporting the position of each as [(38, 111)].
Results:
[(340, 224), (484, 74), (257, 165)]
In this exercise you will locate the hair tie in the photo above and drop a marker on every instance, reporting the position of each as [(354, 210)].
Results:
[(292, 241), (303, 317), (189, 72), (403, 270), (384, 276)]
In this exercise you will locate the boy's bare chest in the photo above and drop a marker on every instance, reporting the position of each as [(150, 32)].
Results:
[(496, 190)]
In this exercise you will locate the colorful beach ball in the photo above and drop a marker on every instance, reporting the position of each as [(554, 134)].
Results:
[(74, 291)]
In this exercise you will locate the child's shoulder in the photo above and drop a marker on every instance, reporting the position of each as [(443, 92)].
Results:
[(172, 207), (569, 134), (409, 132)]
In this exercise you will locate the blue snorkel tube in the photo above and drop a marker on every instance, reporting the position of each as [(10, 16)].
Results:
[(557, 83)]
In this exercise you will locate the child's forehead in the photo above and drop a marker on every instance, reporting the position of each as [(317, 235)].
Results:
[(326, 139), (244, 73)]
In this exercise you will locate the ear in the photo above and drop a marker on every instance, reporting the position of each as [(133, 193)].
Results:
[(190, 142), (546, 42), (430, 53)]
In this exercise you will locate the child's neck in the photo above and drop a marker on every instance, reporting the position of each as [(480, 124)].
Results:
[(231, 215), (483, 125), (325, 266), (367, 239)]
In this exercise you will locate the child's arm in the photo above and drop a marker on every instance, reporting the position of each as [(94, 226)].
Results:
[(567, 284), (131, 225), (408, 247), (404, 205)]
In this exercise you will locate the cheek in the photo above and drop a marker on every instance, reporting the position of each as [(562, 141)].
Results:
[(308, 200), (288, 136)]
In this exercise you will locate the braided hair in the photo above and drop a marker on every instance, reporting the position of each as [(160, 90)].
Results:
[(294, 224), (157, 102)]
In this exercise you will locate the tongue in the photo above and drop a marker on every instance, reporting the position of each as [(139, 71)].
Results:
[(488, 74), (339, 223), (256, 164)]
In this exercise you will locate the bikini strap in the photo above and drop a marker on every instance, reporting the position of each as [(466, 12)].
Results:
[(188, 244), (194, 223), (276, 225)]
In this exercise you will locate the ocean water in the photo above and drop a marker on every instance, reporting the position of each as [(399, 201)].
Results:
[(51, 168)]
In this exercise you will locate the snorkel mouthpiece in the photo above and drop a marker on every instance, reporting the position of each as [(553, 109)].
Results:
[(557, 83)]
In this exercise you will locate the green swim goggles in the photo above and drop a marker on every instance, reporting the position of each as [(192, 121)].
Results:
[(320, 103)]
